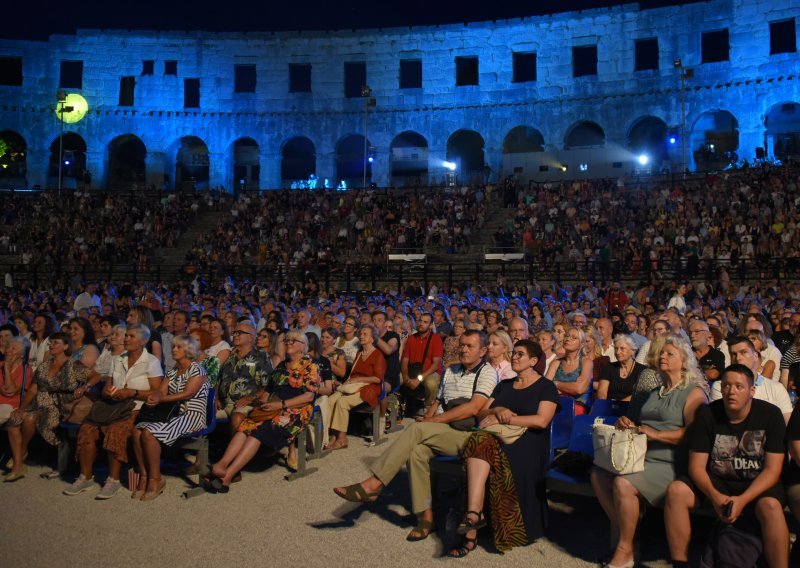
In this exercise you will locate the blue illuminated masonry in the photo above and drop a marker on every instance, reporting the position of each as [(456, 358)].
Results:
[(538, 97)]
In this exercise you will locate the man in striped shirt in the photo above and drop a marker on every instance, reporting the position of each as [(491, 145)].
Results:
[(463, 392)]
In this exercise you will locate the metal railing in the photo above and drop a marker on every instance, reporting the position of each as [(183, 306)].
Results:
[(397, 275)]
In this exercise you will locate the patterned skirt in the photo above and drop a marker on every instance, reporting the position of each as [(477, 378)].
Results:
[(508, 526)]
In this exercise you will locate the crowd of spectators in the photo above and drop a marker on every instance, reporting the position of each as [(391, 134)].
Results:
[(94, 229), (308, 229), (747, 215)]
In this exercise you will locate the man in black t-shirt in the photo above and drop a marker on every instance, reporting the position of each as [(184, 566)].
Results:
[(792, 478), (736, 455), (710, 360)]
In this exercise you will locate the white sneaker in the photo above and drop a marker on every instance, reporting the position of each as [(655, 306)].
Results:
[(109, 489), (79, 486)]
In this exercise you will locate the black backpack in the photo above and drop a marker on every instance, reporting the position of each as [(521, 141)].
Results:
[(733, 546)]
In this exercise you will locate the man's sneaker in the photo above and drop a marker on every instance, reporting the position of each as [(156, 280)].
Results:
[(109, 489), (79, 486)]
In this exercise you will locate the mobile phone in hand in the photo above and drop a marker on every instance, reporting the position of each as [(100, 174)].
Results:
[(728, 509)]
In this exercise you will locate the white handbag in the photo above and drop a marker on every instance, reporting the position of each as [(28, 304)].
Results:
[(618, 451)]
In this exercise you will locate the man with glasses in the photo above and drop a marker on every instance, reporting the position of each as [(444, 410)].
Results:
[(710, 360), (246, 371)]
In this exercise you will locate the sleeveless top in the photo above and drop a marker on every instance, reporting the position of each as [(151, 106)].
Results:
[(572, 377)]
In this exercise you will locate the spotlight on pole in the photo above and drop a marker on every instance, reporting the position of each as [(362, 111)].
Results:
[(672, 140), (643, 159), (450, 166)]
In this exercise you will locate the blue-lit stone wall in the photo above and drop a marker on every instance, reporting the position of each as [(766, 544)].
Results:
[(748, 86)]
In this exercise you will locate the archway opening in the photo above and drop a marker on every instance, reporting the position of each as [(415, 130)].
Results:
[(126, 162), (73, 160), (298, 159), (584, 135), (523, 140), (783, 131), (714, 140), (246, 164), (409, 158), (465, 148), (350, 161), (648, 137), (192, 164), (13, 158)]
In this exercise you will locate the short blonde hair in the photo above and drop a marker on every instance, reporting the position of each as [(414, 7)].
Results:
[(505, 339), (189, 345), (298, 335)]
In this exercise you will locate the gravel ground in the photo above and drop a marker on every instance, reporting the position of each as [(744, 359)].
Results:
[(267, 521)]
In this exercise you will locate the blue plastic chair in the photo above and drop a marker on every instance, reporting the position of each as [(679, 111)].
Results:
[(609, 408), (580, 440), (562, 423)]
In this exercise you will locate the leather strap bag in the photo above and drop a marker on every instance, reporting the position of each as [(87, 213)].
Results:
[(618, 451), (506, 433), (105, 411)]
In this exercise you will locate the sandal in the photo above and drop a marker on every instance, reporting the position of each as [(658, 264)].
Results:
[(150, 495), (336, 446), (466, 526), (356, 494), (466, 547), (423, 530), (141, 488)]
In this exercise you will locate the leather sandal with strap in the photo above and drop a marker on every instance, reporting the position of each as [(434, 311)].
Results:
[(466, 525), (356, 493), (423, 530), (466, 547)]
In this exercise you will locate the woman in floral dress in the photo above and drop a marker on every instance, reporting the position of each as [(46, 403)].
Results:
[(279, 413)]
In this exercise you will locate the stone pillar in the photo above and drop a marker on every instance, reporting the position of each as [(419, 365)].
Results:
[(217, 170), (493, 157), (38, 163), (270, 170), (96, 165), (381, 167), (326, 166), (154, 168), (751, 135)]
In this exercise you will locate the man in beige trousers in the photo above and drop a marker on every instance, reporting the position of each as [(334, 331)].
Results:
[(471, 381)]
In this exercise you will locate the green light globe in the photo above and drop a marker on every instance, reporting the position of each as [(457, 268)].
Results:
[(79, 108)]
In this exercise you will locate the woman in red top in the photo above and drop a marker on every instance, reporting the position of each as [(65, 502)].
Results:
[(11, 380), (363, 386)]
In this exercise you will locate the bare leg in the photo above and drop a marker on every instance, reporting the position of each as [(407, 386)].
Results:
[(233, 449), (86, 457), (152, 455), (626, 504), (603, 486), (28, 432), (236, 420), (680, 499), (477, 474), (114, 467), (15, 441), (774, 532), (249, 449), (140, 464)]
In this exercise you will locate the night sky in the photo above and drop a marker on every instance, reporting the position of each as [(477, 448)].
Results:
[(29, 20)]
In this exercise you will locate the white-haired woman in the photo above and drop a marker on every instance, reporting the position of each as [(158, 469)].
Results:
[(572, 373), (664, 419), (279, 413), (186, 390), (618, 379)]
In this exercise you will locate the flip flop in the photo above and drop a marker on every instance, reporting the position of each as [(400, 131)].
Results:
[(424, 529), (357, 494)]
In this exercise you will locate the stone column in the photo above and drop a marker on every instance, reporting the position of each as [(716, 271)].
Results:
[(217, 170), (154, 168), (270, 170), (38, 163), (326, 166), (96, 165)]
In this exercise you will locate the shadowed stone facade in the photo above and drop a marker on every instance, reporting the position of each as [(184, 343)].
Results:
[(603, 120)]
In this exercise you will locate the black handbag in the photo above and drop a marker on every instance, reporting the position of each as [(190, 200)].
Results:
[(105, 411), (415, 369), (465, 424), (159, 413)]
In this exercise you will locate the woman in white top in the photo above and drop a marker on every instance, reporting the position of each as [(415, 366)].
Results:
[(220, 346), (499, 354), (547, 341), (43, 327), (348, 341)]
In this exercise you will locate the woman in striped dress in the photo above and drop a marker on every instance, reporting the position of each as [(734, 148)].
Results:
[(186, 383)]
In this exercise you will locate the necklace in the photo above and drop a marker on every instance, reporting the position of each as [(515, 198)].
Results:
[(627, 370)]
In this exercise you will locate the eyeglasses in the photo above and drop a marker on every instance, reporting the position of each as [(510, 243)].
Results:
[(290, 341), (518, 354), (240, 332)]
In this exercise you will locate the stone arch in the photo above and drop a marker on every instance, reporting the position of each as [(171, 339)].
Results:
[(648, 135), (409, 156), (126, 162), (298, 159), (13, 158), (73, 167), (466, 148), (350, 160), (522, 140), (191, 161), (584, 134), (246, 156), (714, 140), (782, 135)]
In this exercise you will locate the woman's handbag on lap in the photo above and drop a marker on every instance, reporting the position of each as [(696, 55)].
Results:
[(105, 412), (618, 451), (159, 413), (506, 433)]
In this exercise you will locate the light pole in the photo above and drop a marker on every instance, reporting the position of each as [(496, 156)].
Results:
[(366, 94), (684, 74), (61, 97)]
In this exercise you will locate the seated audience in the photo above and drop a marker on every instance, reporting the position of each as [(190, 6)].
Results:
[(618, 379)]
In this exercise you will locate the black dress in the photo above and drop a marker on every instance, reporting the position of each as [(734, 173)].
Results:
[(619, 388), (528, 460)]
